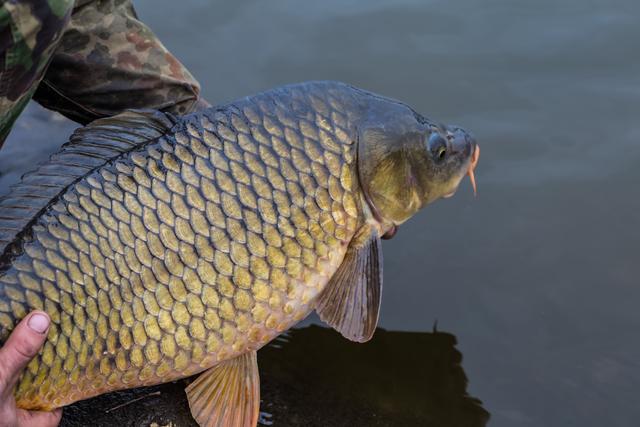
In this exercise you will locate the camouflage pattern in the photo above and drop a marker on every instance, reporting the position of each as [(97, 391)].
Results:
[(86, 59), (30, 30)]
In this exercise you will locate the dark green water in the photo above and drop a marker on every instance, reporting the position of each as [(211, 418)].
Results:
[(312, 377), (537, 277)]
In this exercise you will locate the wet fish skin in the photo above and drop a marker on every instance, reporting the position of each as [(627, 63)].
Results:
[(193, 249), (203, 238)]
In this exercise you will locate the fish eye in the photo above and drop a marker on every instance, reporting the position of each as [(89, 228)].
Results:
[(437, 146)]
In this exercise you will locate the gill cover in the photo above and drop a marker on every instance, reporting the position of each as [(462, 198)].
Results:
[(392, 161)]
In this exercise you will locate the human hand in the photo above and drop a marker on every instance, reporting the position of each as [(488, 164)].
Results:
[(23, 344)]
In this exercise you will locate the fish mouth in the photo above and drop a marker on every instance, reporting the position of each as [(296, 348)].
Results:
[(475, 156), (390, 232), (473, 162)]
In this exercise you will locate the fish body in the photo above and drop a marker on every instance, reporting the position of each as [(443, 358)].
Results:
[(161, 247)]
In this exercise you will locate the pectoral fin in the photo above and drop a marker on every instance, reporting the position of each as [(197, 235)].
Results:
[(351, 301), (227, 395)]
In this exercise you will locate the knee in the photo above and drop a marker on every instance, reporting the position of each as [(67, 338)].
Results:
[(50, 18), (52, 15), (39, 25), (44, 9)]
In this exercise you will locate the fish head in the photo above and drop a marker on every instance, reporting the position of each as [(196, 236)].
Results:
[(405, 161)]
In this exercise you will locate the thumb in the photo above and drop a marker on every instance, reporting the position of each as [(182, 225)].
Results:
[(39, 418), (23, 344)]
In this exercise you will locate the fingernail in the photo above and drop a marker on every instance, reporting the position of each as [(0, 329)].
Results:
[(38, 322)]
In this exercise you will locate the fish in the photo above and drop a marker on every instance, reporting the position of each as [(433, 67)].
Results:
[(162, 247)]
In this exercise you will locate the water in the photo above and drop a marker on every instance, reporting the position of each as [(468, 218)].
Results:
[(537, 277), (312, 377)]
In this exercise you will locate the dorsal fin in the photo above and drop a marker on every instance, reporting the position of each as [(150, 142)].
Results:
[(89, 147)]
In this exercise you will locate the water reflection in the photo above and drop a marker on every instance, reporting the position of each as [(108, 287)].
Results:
[(314, 377), (398, 378)]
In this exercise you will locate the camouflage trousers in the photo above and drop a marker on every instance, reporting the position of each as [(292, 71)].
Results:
[(86, 59)]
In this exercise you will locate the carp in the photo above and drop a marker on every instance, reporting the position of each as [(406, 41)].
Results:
[(162, 247)]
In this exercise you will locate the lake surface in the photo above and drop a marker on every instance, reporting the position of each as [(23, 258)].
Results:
[(537, 277)]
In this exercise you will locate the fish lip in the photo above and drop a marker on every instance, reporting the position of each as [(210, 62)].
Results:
[(475, 157), (390, 232), (471, 163)]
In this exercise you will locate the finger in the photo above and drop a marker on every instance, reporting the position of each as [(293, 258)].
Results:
[(39, 418), (23, 343), (202, 104)]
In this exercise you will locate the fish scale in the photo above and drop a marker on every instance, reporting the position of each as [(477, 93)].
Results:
[(195, 248)]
